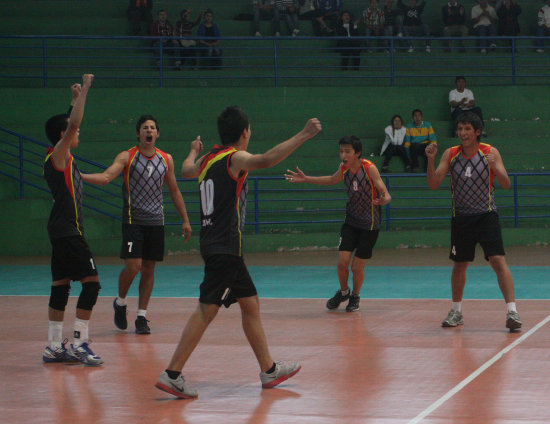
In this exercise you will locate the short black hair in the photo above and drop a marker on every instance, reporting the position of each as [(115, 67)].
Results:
[(144, 118), (460, 77), (470, 118), (353, 141), (231, 124), (396, 116), (55, 125), (417, 110)]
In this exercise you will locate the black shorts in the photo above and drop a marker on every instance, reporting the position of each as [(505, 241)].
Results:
[(142, 241), (71, 258), (226, 279), (467, 231), (352, 238)]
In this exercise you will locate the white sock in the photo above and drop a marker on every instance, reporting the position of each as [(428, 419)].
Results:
[(457, 306), (55, 334), (511, 307), (345, 292), (121, 301), (80, 331), (142, 313)]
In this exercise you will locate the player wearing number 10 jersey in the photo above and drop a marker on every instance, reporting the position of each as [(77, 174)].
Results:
[(222, 181), (145, 169)]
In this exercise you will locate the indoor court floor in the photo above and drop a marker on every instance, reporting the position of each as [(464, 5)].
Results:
[(391, 362)]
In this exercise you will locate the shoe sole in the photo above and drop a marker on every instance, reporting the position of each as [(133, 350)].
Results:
[(143, 331), (352, 310), (274, 383), (513, 325), (445, 324), (180, 395)]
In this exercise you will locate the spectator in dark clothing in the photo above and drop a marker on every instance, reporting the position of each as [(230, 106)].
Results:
[(454, 23), (326, 18), (412, 22), (140, 11), (184, 29), (508, 14), (163, 28), (350, 48), (210, 47), (390, 22)]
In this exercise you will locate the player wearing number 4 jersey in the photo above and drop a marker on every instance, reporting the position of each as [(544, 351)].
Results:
[(222, 181), (366, 193), (71, 256), (473, 167), (145, 170)]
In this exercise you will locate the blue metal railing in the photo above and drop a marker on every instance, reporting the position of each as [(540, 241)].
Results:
[(275, 60), (273, 202)]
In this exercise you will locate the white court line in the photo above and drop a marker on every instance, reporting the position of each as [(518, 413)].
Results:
[(475, 374)]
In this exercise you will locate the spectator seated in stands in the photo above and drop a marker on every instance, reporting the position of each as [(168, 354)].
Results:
[(419, 135), (412, 22), (373, 19), (306, 9), (390, 22), (326, 17), (140, 11), (209, 47), (287, 9), (263, 9), (543, 21), (163, 28), (454, 23), (485, 19), (508, 23), (184, 29), (462, 100), (350, 48), (393, 144)]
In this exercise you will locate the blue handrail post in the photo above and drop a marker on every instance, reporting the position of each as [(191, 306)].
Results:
[(161, 64), (516, 202), (513, 61), (275, 63), (392, 63), (256, 207), (388, 209), (44, 63), (21, 171)]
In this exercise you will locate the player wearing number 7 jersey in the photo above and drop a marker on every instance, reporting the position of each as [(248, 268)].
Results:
[(145, 169), (72, 259), (222, 179), (473, 167)]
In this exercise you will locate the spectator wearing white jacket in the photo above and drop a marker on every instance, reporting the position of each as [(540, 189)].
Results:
[(393, 144), (543, 29)]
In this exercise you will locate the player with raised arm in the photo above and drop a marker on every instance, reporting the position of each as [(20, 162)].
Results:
[(222, 175), (71, 259), (366, 193), (473, 167)]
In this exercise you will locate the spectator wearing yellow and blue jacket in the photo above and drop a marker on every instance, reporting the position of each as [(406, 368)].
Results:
[(419, 135)]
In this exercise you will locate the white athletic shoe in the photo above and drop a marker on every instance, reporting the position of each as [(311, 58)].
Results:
[(283, 371), (176, 387)]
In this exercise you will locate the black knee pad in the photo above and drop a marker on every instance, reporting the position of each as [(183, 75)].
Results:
[(88, 295), (59, 297)]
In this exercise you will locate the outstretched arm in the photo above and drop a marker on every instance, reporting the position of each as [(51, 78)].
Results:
[(61, 149), (243, 160), (497, 166), (110, 173), (190, 168), (436, 176), (177, 199), (300, 177)]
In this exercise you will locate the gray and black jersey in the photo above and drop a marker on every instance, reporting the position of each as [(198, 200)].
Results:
[(142, 188), (361, 212), (471, 181)]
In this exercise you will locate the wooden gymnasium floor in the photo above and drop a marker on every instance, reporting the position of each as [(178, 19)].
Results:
[(391, 362)]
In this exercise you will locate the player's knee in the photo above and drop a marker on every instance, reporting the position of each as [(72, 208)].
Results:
[(88, 295), (59, 297)]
